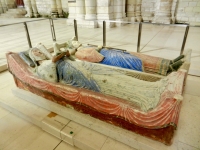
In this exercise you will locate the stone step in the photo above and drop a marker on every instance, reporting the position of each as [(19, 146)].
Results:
[(71, 132), (17, 11), (11, 16)]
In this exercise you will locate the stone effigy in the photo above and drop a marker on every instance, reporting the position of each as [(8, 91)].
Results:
[(147, 104)]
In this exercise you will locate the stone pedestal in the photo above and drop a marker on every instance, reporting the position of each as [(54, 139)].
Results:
[(90, 8), (80, 9), (163, 12)]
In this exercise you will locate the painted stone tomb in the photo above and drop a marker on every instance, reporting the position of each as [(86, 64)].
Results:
[(138, 92)]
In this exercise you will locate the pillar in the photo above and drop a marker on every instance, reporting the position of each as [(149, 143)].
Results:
[(65, 6), (28, 7), (10, 4), (131, 9), (123, 10), (90, 9), (59, 8), (138, 10), (118, 9), (4, 6), (34, 7), (163, 12), (104, 10), (1, 8), (80, 9), (72, 10), (54, 11)]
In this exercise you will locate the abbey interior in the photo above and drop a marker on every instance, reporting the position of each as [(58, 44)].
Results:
[(100, 74)]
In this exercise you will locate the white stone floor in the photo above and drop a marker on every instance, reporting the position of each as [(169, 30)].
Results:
[(157, 40)]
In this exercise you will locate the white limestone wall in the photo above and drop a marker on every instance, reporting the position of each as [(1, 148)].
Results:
[(188, 11)]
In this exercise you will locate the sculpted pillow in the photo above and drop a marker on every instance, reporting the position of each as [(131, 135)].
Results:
[(89, 54)]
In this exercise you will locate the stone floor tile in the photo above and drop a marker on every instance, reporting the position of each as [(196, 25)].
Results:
[(111, 144), (65, 146), (33, 138), (188, 130), (89, 140)]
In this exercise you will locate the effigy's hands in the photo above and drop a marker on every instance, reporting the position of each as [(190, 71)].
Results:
[(59, 56)]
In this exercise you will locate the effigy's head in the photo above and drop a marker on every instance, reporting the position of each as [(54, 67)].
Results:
[(76, 44), (37, 54)]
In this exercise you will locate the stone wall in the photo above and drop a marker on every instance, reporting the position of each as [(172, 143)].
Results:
[(188, 11)]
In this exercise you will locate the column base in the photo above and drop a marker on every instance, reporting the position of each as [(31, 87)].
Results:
[(108, 24), (54, 14), (104, 16), (90, 17), (83, 23), (121, 22), (163, 20)]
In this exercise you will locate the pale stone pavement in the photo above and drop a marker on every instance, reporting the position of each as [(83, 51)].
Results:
[(157, 40)]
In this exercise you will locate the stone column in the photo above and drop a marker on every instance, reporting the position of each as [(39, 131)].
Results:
[(118, 9), (65, 7), (10, 4), (104, 10), (54, 11), (138, 10), (91, 11), (131, 9), (123, 11), (163, 12), (28, 7), (80, 9), (4, 6), (148, 8), (173, 10), (34, 7), (72, 10), (59, 8)]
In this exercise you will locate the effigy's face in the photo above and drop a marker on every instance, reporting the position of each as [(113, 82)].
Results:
[(38, 55), (76, 44)]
